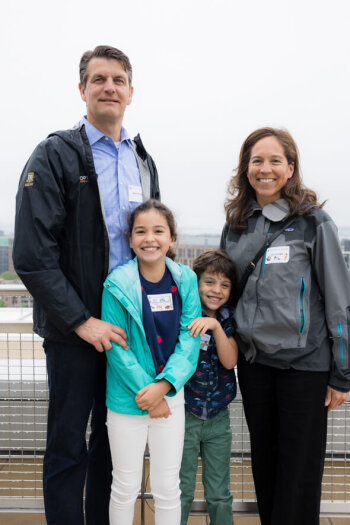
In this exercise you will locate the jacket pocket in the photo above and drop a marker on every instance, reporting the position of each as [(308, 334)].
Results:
[(341, 349), (301, 306)]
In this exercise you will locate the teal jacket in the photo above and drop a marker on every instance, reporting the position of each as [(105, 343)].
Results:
[(129, 371)]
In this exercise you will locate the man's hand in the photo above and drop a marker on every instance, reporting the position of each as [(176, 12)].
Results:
[(151, 395), (162, 410), (200, 325), (334, 398), (100, 334)]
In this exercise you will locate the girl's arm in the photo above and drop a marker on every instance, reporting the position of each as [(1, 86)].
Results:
[(162, 410), (226, 347), (149, 397), (123, 364)]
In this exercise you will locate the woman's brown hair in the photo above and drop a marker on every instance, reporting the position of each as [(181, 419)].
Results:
[(240, 193)]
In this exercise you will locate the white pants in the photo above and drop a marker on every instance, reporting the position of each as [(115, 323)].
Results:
[(128, 435)]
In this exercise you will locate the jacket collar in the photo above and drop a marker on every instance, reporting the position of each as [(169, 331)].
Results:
[(124, 280), (275, 211)]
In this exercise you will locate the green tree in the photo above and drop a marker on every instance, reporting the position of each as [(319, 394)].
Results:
[(2, 303)]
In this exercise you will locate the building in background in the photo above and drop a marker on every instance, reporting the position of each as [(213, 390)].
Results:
[(190, 246), (6, 244)]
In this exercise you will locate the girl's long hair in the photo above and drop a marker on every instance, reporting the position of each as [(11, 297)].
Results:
[(241, 194)]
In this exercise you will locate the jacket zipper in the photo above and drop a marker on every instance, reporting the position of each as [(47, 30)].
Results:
[(301, 308), (340, 333)]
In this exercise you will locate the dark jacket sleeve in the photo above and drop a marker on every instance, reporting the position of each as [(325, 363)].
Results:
[(40, 217), (334, 281)]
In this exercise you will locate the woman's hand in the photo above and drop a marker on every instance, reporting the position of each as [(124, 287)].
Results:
[(200, 325), (162, 410), (151, 395), (334, 398)]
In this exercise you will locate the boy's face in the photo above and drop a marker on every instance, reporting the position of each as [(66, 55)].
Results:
[(214, 291)]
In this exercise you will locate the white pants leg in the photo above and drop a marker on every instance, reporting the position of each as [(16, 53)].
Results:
[(165, 441), (128, 436)]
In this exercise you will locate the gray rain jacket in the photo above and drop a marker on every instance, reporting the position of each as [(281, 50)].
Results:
[(295, 308)]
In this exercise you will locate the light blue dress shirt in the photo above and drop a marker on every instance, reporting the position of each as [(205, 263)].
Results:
[(119, 183)]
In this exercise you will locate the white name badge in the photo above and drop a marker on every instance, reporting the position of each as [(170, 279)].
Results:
[(161, 302), (135, 193), (205, 338), (277, 254)]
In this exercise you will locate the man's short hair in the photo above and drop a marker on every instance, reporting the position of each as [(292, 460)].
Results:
[(215, 261), (103, 52)]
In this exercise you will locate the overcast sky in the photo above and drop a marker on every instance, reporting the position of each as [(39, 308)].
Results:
[(206, 74)]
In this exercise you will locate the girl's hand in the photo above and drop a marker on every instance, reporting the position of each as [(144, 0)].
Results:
[(334, 398), (201, 324), (162, 410), (151, 395)]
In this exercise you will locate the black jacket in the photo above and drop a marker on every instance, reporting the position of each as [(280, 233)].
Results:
[(61, 246)]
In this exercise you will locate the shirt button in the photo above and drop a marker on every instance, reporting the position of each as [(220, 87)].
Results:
[(125, 232), (106, 138), (123, 207), (127, 258)]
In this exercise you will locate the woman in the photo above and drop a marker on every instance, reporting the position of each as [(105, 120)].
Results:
[(292, 325)]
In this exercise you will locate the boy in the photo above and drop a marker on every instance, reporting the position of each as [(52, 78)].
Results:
[(210, 390)]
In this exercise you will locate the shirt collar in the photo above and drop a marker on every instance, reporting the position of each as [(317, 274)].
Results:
[(94, 134), (221, 314)]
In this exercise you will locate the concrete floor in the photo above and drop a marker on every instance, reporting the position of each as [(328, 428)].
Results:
[(26, 471), (39, 519)]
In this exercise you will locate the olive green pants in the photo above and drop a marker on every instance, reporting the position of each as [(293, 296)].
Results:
[(212, 440)]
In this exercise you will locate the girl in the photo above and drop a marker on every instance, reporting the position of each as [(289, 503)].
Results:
[(153, 299)]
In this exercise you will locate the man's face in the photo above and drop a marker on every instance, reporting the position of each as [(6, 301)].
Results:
[(107, 92)]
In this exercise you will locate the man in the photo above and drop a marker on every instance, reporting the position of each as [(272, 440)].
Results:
[(74, 196)]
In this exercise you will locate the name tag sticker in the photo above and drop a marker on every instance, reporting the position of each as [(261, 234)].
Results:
[(135, 193), (277, 255), (161, 302), (205, 338)]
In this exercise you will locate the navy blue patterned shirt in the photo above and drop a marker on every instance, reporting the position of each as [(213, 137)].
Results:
[(212, 387), (161, 313)]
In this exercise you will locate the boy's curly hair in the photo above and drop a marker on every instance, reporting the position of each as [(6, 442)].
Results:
[(215, 261)]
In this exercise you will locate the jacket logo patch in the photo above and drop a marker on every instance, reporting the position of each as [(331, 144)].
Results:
[(289, 229), (30, 179), (83, 179)]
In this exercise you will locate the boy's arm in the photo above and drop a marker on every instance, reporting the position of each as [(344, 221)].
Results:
[(226, 346)]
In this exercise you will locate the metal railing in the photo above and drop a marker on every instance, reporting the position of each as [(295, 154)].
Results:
[(23, 411)]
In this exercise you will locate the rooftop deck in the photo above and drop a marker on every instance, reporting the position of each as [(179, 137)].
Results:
[(23, 406)]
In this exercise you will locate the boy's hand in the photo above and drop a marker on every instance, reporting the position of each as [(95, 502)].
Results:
[(162, 410), (201, 324), (151, 395)]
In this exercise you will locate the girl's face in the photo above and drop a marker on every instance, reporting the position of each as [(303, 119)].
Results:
[(150, 237), (268, 170)]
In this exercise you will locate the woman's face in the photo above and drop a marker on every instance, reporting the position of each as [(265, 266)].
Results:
[(268, 170)]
